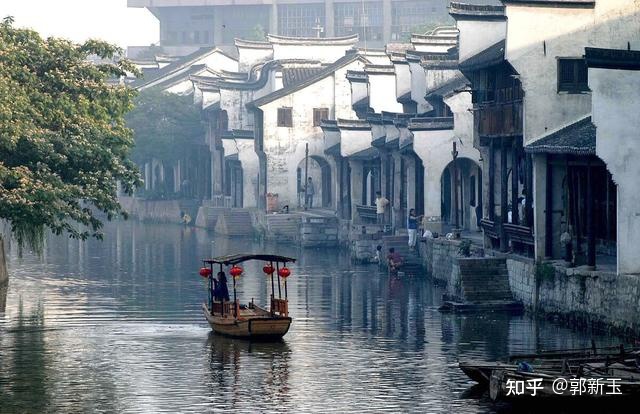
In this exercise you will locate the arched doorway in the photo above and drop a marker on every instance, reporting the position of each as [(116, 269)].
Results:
[(319, 170), (469, 194)]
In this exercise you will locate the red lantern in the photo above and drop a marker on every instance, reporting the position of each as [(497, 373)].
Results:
[(268, 269), (284, 272), (235, 271), (205, 272)]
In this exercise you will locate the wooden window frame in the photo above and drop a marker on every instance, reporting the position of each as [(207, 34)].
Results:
[(319, 114), (576, 85), (285, 117)]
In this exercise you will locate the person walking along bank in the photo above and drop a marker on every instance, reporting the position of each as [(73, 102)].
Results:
[(412, 228), (310, 191)]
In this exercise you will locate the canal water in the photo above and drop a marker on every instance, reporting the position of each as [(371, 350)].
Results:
[(116, 326)]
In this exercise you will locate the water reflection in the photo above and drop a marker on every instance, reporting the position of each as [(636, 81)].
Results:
[(117, 326)]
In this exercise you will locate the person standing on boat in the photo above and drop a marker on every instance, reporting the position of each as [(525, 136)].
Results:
[(221, 292)]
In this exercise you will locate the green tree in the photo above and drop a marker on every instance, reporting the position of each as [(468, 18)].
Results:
[(64, 144), (164, 126)]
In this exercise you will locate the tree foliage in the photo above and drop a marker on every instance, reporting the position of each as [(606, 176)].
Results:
[(164, 126), (64, 144)]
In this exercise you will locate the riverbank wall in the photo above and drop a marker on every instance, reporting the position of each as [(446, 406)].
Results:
[(159, 211), (578, 297)]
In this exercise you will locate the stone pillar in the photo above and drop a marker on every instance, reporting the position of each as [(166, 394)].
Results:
[(385, 185), (396, 210), (273, 24), (345, 189), (515, 177), (410, 165), (356, 186), (491, 203), (147, 176), (386, 21), (540, 205), (329, 15), (504, 199)]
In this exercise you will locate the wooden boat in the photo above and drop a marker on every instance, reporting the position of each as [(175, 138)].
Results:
[(556, 361), (502, 382), (250, 321)]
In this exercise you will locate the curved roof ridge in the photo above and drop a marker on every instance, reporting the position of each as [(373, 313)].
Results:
[(341, 40)]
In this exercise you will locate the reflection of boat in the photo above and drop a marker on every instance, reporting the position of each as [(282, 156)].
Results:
[(225, 345), (250, 321)]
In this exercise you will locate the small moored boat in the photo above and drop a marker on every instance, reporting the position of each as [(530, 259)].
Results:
[(250, 321)]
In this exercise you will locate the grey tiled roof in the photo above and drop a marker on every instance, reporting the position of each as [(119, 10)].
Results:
[(578, 138), (457, 82), (175, 68), (476, 11), (491, 56), (291, 76)]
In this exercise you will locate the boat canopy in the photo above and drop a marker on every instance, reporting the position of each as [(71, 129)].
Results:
[(239, 258)]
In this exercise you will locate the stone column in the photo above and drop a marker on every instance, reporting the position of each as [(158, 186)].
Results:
[(396, 210), (386, 21), (410, 165), (345, 189), (356, 186), (504, 199), (540, 206), (329, 15)]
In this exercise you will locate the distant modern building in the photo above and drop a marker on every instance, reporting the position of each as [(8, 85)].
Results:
[(186, 26)]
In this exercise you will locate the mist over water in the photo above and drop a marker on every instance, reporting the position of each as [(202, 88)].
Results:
[(116, 326)]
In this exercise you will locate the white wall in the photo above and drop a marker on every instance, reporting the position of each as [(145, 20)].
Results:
[(219, 61), (616, 105), (403, 78), (382, 93), (419, 86), (249, 57), (285, 147), (537, 36), (471, 43)]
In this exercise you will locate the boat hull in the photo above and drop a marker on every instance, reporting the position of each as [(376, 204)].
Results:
[(258, 327)]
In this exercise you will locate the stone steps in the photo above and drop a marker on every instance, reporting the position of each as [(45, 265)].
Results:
[(234, 222), (283, 226), (412, 262)]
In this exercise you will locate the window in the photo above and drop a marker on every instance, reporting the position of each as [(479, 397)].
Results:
[(300, 19), (319, 114), (285, 117), (572, 75)]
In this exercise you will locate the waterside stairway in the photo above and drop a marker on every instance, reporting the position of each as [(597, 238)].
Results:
[(483, 285)]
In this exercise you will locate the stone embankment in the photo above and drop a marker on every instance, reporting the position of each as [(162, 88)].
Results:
[(580, 297)]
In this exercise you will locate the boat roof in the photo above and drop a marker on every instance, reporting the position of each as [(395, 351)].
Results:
[(239, 258)]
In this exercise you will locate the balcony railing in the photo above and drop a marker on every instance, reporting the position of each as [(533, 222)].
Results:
[(500, 119)]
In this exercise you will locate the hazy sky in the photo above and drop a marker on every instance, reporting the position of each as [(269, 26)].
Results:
[(79, 20)]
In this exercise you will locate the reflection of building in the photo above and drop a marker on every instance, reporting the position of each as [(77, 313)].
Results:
[(184, 28)]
